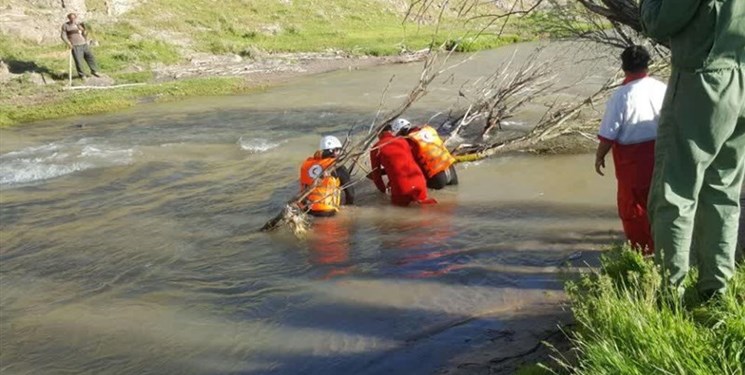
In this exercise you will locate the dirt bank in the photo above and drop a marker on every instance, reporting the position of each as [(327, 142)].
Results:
[(522, 344), (203, 75), (271, 69)]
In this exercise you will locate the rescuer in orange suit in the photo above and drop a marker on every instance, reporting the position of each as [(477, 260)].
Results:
[(393, 156), (325, 199), (429, 152)]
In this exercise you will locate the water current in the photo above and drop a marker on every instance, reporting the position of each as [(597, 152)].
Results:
[(130, 243)]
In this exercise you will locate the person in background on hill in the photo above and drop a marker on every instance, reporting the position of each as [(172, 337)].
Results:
[(629, 128), (429, 152), (700, 154), (325, 198), (393, 156), (75, 35)]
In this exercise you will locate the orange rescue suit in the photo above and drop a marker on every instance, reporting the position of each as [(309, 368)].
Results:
[(430, 152), (326, 195)]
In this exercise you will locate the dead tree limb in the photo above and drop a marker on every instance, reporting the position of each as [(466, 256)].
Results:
[(292, 214), (498, 97), (551, 126)]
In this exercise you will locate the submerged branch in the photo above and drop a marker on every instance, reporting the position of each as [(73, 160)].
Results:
[(351, 153)]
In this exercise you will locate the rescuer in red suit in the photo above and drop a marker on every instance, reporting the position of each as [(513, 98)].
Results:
[(393, 156)]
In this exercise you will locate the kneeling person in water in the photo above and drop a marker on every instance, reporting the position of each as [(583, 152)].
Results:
[(393, 155), (429, 152), (326, 197)]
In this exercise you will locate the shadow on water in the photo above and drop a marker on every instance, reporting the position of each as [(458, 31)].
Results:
[(155, 265), (376, 301), (412, 356)]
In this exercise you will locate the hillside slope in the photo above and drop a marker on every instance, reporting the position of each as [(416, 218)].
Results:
[(147, 41), (133, 34)]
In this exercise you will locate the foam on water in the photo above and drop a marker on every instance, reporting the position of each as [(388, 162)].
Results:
[(56, 159), (257, 145)]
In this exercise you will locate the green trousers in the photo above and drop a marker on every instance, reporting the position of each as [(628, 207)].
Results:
[(694, 203)]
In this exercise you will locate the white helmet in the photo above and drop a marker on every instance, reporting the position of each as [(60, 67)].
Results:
[(400, 125), (329, 142)]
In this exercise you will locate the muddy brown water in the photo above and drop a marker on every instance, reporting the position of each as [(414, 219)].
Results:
[(130, 243)]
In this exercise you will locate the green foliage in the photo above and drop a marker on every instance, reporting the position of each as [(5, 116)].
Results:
[(130, 47), (89, 102), (533, 370), (133, 77), (354, 26), (121, 46), (564, 22), (630, 325), (480, 43)]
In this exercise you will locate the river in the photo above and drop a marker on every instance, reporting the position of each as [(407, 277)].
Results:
[(130, 242)]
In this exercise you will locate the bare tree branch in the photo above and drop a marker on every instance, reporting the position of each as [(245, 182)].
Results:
[(292, 214)]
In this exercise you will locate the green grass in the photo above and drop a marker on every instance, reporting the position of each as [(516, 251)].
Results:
[(354, 26), (533, 370), (629, 325), (66, 103), (129, 48)]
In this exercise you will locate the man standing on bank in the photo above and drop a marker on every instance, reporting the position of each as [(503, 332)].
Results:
[(629, 128), (700, 151), (74, 34)]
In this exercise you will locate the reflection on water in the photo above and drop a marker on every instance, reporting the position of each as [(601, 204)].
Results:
[(129, 245)]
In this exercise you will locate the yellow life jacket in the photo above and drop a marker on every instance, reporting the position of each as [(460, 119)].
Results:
[(326, 195), (431, 154)]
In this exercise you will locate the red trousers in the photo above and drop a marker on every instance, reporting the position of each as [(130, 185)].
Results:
[(634, 167), (403, 199)]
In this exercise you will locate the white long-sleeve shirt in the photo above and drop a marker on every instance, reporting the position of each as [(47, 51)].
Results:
[(633, 111)]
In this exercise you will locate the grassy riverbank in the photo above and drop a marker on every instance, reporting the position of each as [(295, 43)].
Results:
[(67, 103), (627, 325), (137, 46)]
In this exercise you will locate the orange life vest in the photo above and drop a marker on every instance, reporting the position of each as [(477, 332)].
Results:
[(431, 154), (326, 195)]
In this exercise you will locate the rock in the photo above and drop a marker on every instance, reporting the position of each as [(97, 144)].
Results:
[(271, 29), (35, 78), (253, 53), (47, 3), (119, 7), (236, 58), (37, 20), (103, 80), (4, 70), (77, 6)]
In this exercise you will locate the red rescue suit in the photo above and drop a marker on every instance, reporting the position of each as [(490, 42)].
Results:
[(405, 178), (634, 164)]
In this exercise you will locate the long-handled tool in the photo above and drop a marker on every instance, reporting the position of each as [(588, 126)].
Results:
[(69, 69)]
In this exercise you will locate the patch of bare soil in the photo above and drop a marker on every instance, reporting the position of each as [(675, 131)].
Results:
[(274, 68)]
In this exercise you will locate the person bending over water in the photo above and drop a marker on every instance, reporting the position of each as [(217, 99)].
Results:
[(325, 199), (429, 152), (393, 155)]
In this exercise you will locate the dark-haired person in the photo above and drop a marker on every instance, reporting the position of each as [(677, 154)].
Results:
[(629, 128), (700, 156), (75, 35)]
